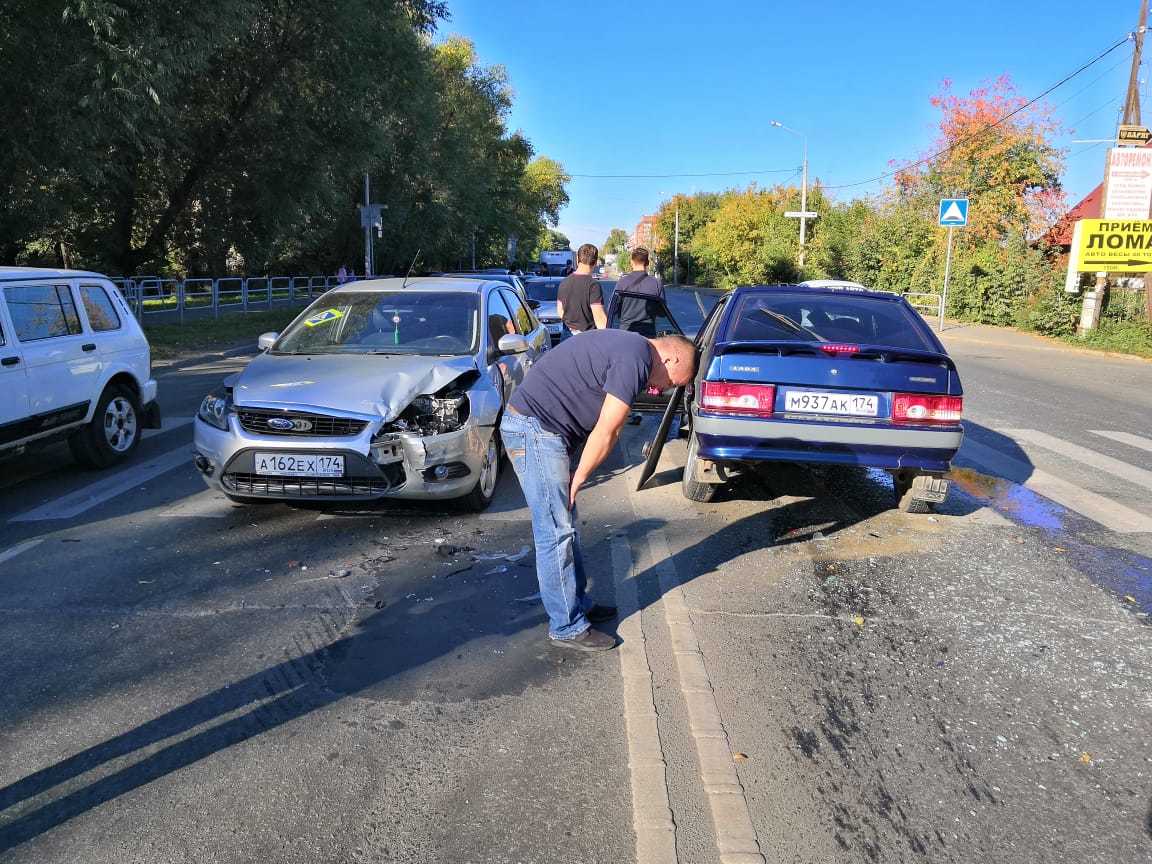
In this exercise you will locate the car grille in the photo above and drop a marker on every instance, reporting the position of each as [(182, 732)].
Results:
[(305, 425), (260, 485)]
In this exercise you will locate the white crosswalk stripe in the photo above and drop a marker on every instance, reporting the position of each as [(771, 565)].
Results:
[(1092, 458), (1111, 514), (1126, 438)]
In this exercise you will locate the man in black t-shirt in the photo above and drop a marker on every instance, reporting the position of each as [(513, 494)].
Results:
[(579, 300), (578, 395)]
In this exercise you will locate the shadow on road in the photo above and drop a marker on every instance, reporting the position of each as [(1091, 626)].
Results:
[(391, 643)]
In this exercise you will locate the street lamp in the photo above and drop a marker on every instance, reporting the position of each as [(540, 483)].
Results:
[(803, 214)]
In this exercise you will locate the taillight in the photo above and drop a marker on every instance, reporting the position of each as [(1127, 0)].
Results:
[(917, 408), (729, 398), (839, 348)]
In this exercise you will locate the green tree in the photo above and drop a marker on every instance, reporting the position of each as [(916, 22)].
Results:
[(616, 244), (748, 240)]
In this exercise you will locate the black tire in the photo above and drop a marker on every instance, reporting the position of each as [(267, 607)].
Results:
[(113, 433), (693, 489), (479, 499), (904, 487)]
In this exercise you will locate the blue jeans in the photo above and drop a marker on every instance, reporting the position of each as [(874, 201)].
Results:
[(542, 464)]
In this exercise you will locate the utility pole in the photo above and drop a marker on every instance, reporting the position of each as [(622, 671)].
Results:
[(1093, 304), (367, 231), (803, 215), (1132, 99), (676, 249)]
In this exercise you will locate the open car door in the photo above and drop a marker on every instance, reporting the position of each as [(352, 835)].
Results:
[(663, 324), (677, 399)]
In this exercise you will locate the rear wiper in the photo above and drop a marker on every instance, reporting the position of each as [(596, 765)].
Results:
[(789, 323)]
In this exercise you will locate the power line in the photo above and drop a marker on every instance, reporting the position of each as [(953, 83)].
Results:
[(1094, 112), (668, 176), (989, 127)]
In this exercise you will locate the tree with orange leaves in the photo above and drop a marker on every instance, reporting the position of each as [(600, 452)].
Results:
[(998, 154)]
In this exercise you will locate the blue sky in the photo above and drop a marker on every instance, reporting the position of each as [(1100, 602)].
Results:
[(689, 87)]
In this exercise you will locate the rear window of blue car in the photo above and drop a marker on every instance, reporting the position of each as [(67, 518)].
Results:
[(820, 317)]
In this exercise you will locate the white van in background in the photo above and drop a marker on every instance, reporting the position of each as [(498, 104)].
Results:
[(74, 364)]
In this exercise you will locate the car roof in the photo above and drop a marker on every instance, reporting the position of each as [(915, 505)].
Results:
[(840, 290), (830, 283), (8, 274), (459, 284)]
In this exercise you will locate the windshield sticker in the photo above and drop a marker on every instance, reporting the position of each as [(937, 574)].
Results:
[(323, 317)]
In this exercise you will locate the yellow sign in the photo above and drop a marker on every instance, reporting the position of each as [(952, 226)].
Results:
[(1115, 246), (1133, 135)]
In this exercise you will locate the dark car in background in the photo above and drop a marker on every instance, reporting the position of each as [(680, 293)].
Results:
[(821, 375)]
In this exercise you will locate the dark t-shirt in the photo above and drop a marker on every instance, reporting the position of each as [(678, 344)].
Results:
[(578, 292), (636, 314), (565, 389)]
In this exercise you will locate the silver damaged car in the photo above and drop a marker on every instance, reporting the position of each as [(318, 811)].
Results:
[(386, 388)]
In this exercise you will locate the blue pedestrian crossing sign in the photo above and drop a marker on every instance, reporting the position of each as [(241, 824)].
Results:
[(953, 212)]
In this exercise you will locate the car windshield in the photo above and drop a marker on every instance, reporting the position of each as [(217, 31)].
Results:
[(386, 322), (812, 317), (543, 290)]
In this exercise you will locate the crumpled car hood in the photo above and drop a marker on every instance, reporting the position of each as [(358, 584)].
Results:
[(363, 383)]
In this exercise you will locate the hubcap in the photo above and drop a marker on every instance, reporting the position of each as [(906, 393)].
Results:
[(489, 469), (120, 424)]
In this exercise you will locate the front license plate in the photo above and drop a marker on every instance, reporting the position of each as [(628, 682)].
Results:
[(299, 465), (848, 404), (555, 328)]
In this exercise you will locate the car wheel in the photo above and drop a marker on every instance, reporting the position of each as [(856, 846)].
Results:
[(693, 489), (485, 489), (907, 488), (112, 434)]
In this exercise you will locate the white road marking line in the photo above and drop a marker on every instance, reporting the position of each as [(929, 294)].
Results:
[(735, 834), (1126, 438), (20, 548), (1112, 515), (651, 813), (1085, 456), (736, 838), (167, 424), (73, 504)]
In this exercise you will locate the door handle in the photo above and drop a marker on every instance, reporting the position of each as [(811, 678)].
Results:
[(9, 361), (88, 346)]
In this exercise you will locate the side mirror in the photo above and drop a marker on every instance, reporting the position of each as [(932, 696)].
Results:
[(533, 304), (512, 343), (267, 340)]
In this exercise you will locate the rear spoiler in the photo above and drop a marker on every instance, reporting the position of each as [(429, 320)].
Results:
[(792, 347)]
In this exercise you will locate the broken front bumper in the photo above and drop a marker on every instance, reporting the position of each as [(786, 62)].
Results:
[(401, 465)]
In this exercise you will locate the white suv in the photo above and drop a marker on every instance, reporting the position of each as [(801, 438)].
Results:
[(74, 364)]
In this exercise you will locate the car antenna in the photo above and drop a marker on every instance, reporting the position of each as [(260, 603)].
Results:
[(410, 269)]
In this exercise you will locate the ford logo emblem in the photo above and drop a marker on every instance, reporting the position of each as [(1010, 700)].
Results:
[(281, 423)]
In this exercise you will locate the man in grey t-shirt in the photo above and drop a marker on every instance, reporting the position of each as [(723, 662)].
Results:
[(578, 395)]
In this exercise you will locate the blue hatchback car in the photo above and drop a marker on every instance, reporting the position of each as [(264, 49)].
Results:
[(822, 375)]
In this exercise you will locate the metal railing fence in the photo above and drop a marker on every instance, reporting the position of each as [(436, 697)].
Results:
[(163, 298)]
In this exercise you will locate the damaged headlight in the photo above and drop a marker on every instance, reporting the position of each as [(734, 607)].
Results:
[(433, 415), (214, 410)]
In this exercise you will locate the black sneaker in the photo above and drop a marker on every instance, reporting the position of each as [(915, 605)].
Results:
[(590, 640), (599, 614)]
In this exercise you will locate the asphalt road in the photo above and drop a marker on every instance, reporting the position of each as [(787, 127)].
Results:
[(806, 675)]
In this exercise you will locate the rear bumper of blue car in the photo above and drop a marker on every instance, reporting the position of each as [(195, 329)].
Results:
[(740, 439)]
